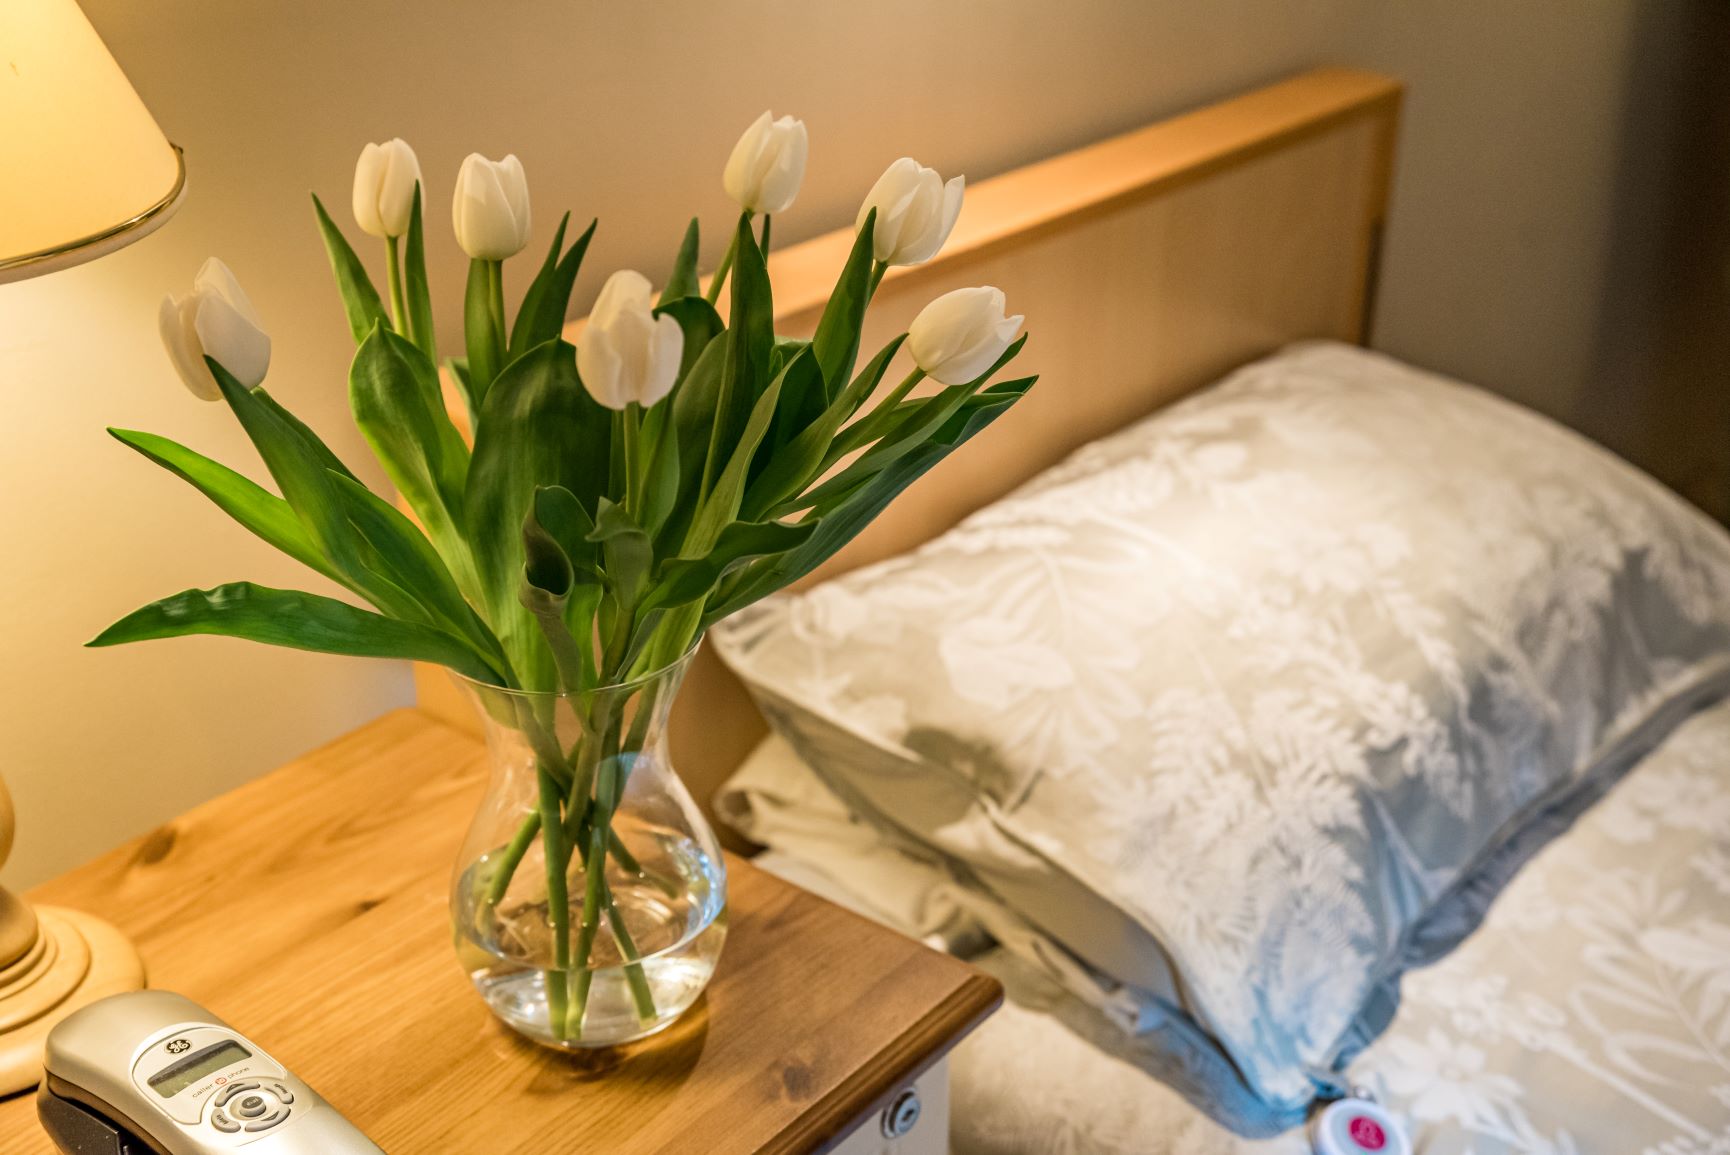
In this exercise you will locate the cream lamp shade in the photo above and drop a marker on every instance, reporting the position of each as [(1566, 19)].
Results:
[(83, 167)]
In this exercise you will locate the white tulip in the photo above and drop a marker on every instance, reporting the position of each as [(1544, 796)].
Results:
[(961, 334), (627, 353), (491, 207), (215, 320), (384, 182), (767, 165), (915, 212)]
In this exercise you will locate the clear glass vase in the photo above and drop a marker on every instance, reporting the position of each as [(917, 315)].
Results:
[(610, 929)]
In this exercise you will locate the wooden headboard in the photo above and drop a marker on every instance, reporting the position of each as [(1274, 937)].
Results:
[(1148, 265)]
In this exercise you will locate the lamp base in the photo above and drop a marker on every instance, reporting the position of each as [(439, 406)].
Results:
[(75, 960)]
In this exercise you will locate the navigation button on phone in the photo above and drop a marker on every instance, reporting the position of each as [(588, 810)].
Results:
[(282, 1092), (223, 1123), (267, 1122), (233, 1089)]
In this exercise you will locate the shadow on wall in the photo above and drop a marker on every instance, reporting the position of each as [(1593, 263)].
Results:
[(1662, 346)]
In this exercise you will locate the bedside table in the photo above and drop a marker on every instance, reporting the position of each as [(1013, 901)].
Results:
[(308, 908)]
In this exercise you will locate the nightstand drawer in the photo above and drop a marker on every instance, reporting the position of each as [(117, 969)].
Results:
[(928, 1134)]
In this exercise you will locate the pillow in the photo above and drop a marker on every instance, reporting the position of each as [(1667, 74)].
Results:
[(1256, 704)]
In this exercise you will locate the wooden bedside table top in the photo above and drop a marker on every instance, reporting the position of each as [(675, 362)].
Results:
[(308, 908)]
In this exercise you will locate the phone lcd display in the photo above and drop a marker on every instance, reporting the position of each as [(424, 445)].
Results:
[(178, 1076)]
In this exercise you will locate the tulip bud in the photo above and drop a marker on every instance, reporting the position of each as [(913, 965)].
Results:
[(627, 353), (961, 334), (215, 320), (491, 208), (767, 165), (384, 182), (915, 212)]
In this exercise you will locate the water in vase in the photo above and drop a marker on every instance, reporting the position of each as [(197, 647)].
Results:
[(675, 917)]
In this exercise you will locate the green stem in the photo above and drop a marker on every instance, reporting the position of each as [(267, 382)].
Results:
[(393, 262), (896, 394), (496, 309), (558, 900), (878, 268), (726, 266), (635, 977), (764, 245), (579, 803), (512, 858), (594, 867), (549, 615), (631, 436), (868, 427)]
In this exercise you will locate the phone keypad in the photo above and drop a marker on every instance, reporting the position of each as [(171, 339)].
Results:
[(251, 1106)]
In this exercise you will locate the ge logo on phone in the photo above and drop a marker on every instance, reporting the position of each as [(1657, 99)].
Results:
[(179, 1047)]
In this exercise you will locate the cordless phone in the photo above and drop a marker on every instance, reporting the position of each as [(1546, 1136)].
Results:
[(152, 1073)]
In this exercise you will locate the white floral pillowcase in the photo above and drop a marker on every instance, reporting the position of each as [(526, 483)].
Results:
[(1259, 702), (1589, 1015)]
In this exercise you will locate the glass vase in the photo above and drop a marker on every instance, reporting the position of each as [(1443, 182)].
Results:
[(590, 895)]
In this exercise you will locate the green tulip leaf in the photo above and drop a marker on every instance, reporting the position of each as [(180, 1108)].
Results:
[(302, 466), (749, 342), (359, 298), (626, 551), (682, 580), (399, 407), (417, 289), (247, 502), (885, 420), (458, 367), (837, 336), (297, 620), (558, 512), (480, 336), (837, 526), (661, 488), (699, 322), (721, 506), (398, 551), (541, 316), (798, 463), (538, 427), (682, 281), (694, 402)]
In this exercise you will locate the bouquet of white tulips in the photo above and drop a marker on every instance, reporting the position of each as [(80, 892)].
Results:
[(619, 496)]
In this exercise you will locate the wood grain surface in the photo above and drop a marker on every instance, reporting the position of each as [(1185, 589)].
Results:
[(308, 908)]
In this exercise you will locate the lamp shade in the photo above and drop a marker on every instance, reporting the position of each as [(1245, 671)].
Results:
[(83, 167)]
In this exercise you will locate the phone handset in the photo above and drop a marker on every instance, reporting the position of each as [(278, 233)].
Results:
[(153, 1073)]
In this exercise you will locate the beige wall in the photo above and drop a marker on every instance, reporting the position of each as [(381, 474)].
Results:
[(626, 111)]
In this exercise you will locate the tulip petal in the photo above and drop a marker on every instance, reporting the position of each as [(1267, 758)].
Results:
[(920, 238), (598, 365), (174, 321), (952, 196), (625, 290), (231, 339), (740, 177), (368, 175), (214, 276), (782, 178), (515, 183), (485, 209), (395, 192), (667, 348), (961, 334)]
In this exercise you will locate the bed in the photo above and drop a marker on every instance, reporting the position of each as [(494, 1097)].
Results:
[(1590, 1012)]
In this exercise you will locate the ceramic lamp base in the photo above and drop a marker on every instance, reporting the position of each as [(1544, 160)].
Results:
[(75, 959)]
